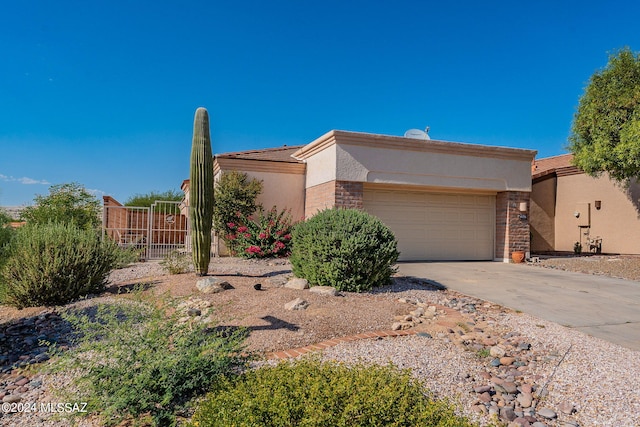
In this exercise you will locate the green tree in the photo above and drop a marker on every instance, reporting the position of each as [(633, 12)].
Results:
[(605, 134), (65, 203), (147, 199), (235, 195)]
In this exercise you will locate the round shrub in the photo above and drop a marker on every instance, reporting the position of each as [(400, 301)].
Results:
[(344, 248), (312, 393), (53, 264)]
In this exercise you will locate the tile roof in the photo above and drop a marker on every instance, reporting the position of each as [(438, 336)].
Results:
[(562, 163), (280, 154)]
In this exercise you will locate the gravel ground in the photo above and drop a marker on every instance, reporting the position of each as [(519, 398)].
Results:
[(623, 267), (596, 380)]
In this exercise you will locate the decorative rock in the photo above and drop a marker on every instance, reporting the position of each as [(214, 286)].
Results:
[(509, 387), (296, 304), (496, 351), (193, 312), (482, 389), (507, 414), (324, 290), (297, 283), (565, 408), (547, 413), (538, 424), (212, 285), (525, 400), (12, 398), (507, 361)]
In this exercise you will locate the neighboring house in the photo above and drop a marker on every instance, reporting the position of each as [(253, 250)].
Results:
[(568, 206), (442, 200)]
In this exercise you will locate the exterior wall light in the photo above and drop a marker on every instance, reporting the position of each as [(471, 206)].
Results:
[(598, 204), (522, 207)]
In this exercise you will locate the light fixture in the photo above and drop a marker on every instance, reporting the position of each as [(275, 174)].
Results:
[(522, 207), (598, 204)]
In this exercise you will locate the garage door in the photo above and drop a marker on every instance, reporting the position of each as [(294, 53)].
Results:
[(433, 226)]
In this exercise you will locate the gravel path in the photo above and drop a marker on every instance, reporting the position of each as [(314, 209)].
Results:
[(492, 361)]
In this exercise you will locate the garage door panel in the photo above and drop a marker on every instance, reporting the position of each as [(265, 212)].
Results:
[(434, 226)]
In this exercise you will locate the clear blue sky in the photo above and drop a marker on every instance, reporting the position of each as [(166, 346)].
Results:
[(103, 92)]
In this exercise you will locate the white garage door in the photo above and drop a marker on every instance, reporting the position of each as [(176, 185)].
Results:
[(433, 226)]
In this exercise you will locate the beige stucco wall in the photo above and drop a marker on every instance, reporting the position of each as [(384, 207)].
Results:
[(617, 222), (321, 167), (542, 215), (355, 157), (388, 166), (281, 190)]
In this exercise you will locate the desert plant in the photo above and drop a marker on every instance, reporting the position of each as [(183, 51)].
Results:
[(65, 203), (6, 234), (201, 193), (176, 262), (147, 199), (235, 195), (51, 264), (136, 359), (344, 248), (577, 248), (312, 393), (269, 235)]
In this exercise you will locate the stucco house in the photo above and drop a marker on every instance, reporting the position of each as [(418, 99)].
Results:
[(443, 200), (569, 206)]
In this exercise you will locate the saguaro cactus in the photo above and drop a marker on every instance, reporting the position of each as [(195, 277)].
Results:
[(201, 193)]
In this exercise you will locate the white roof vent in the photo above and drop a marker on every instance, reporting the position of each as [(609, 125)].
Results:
[(418, 134)]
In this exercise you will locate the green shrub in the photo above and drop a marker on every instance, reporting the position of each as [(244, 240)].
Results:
[(137, 361), (312, 393), (269, 235), (65, 203), (176, 262), (53, 264), (344, 248), (235, 197), (6, 234)]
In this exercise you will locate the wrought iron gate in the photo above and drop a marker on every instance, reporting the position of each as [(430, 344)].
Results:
[(154, 231)]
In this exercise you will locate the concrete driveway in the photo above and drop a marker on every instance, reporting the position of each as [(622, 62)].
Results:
[(600, 306)]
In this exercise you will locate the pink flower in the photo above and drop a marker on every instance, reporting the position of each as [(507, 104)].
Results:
[(231, 225), (247, 235), (287, 236), (242, 229), (231, 236), (262, 236), (253, 250), (279, 245)]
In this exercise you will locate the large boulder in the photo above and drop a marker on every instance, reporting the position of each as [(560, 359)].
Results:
[(212, 285)]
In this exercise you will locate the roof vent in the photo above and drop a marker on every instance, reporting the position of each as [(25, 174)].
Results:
[(418, 134)]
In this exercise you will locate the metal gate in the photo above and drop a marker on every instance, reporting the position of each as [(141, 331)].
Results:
[(154, 231)]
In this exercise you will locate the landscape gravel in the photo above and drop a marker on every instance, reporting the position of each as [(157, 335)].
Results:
[(542, 374)]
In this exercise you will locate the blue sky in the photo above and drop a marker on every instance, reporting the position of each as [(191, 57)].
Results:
[(103, 92)]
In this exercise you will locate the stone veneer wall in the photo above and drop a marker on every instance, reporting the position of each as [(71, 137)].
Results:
[(344, 194), (512, 233)]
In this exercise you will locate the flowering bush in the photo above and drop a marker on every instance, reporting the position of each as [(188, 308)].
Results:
[(269, 235)]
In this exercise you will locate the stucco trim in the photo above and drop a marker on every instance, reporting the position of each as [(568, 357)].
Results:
[(258, 166), (409, 144), (427, 189)]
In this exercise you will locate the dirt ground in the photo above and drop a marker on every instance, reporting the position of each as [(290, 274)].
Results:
[(271, 326)]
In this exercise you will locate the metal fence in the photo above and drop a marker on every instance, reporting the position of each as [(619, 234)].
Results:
[(153, 231)]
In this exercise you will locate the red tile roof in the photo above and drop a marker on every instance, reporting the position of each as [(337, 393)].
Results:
[(549, 165), (280, 154)]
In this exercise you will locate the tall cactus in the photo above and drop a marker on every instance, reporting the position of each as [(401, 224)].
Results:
[(201, 193)]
